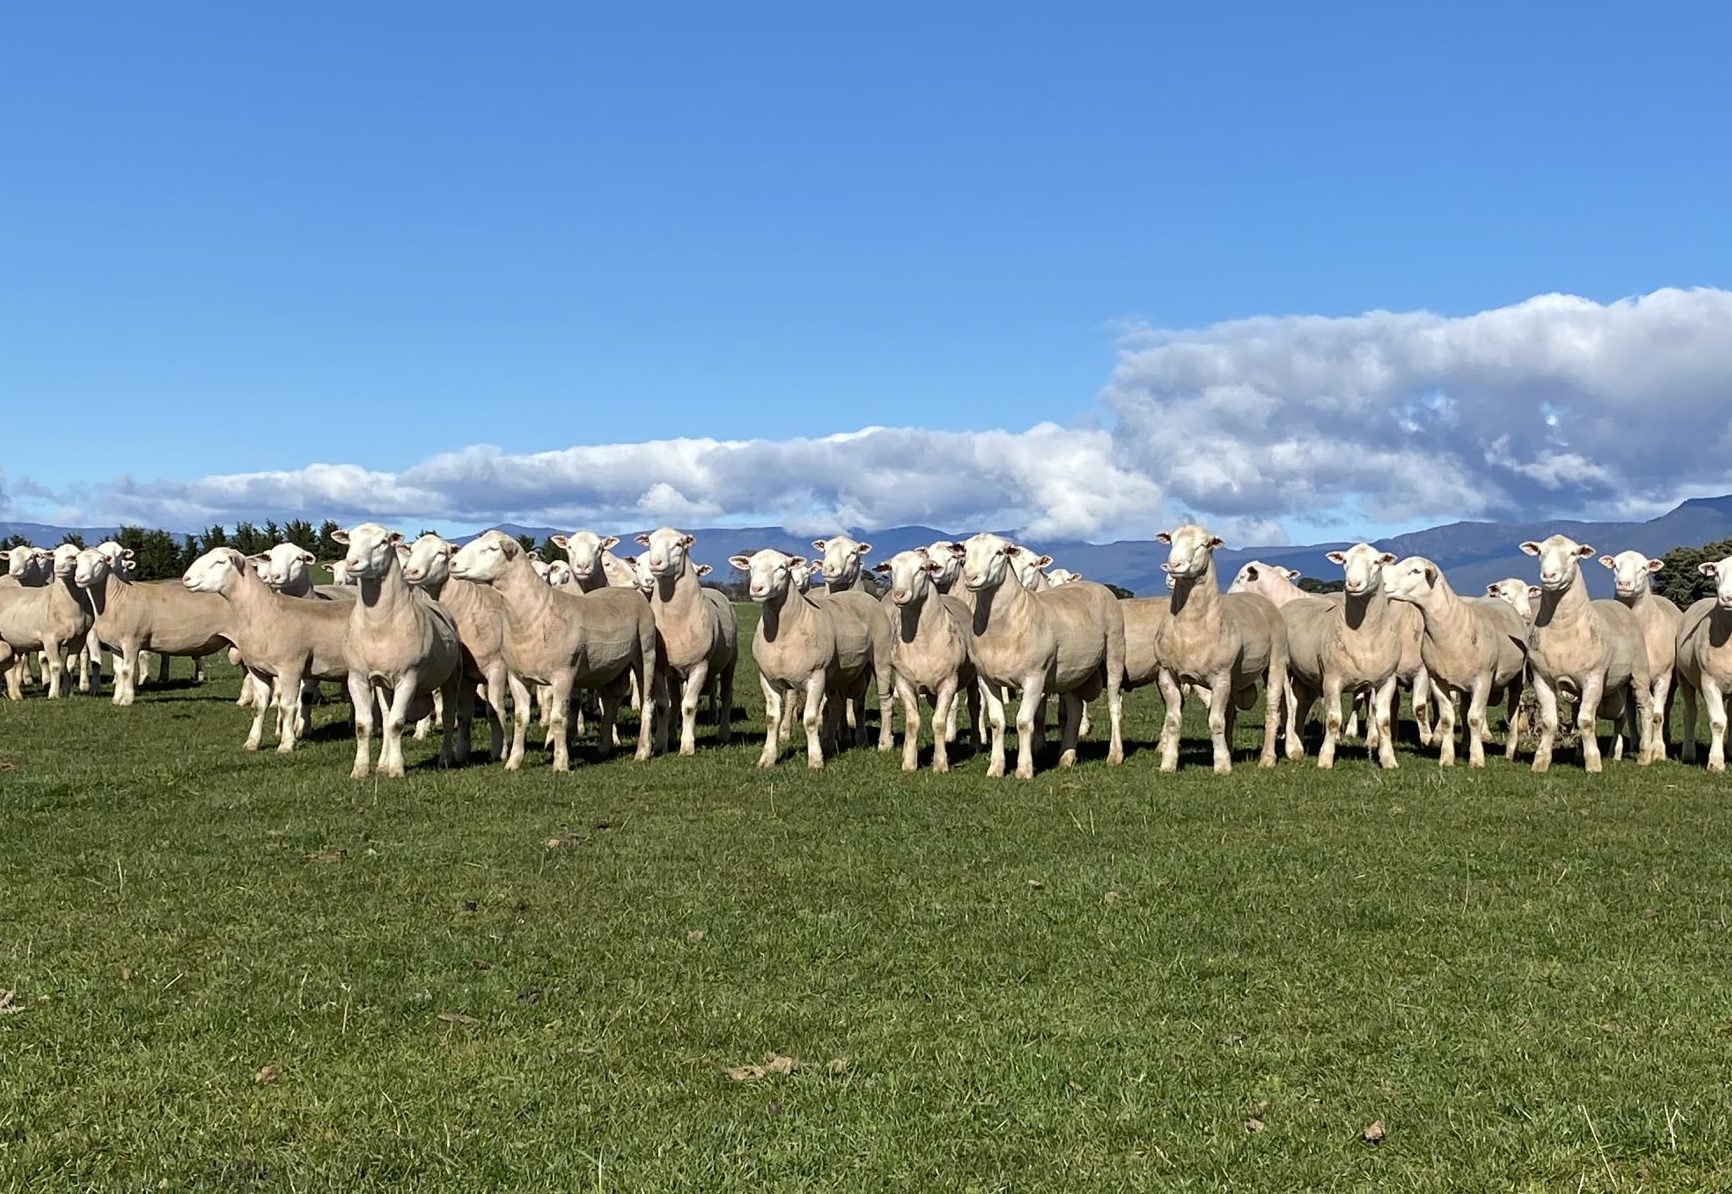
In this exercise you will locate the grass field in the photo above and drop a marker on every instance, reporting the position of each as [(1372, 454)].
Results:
[(241, 972)]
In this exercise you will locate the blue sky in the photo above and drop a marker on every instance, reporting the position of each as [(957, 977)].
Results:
[(237, 240)]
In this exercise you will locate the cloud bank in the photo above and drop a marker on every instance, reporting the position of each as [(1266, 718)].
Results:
[(1556, 405)]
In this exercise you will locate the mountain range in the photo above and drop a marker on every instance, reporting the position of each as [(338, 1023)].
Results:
[(1473, 554)]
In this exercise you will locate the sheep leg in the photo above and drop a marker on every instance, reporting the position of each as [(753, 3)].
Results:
[(1444, 733), (1547, 698), (1382, 718), (1299, 702), (1175, 712), (1715, 699), (1220, 699), (815, 713), (1477, 730), (1115, 721), (773, 717), (56, 668), (361, 700), (1422, 719), (1274, 688), (1687, 744), (1661, 713), (1070, 713), (943, 706), (264, 698), (994, 702), (558, 727), (288, 702), (1331, 720), (1592, 688), (1029, 712), (696, 680), (910, 702)]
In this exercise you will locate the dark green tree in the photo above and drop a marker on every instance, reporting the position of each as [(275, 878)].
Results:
[(528, 543), (1120, 592), (1311, 584), (75, 539), (249, 540), (215, 536), (329, 548), (1681, 579), (273, 532), (155, 554), (549, 552), (300, 532)]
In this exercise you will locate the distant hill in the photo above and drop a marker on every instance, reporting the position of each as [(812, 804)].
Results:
[(1474, 554)]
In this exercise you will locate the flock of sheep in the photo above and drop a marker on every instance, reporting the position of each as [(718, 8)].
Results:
[(429, 630)]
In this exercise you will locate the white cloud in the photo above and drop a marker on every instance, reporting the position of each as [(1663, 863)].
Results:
[(1051, 480), (1553, 406), (1557, 405)]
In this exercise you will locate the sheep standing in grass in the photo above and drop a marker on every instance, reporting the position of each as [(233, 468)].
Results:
[(1659, 620), (1591, 648), (54, 618), (1224, 643), (1069, 640), (1350, 646), (1704, 659), (821, 650), (1474, 648), (566, 641), (699, 637), (930, 651)]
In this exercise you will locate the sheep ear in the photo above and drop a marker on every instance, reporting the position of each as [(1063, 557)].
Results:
[(510, 546), (860, 549), (1250, 572), (881, 566), (1583, 550), (1337, 557), (558, 541), (264, 557), (819, 543), (703, 570), (688, 540), (1431, 573), (958, 551), (1708, 569), (1043, 562), (743, 563), (1608, 562), (1531, 548), (340, 537), (796, 561), (1656, 565), (307, 557), (396, 536), (642, 540), (1533, 591), (933, 566), (1216, 541), (1386, 558), (1163, 537), (1491, 590), (610, 541), (126, 554), (1295, 574)]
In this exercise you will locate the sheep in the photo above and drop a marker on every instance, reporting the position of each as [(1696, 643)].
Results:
[(1518, 593), (593, 565), (1030, 570), (284, 568), (283, 641), (401, 648), (1704, 663), (698, 635), (1062, 576), (844, 589), (1593, 648), (560, 575), (590, 640), (480, 616), (1350, 645), (1473, 646), (1070, 641), (839, 561), (800, 575), (30, 567), (134, 616), (1659, 619), (1223, 642), (822, 650), (929, 651), (1270, 581), (49, 618)]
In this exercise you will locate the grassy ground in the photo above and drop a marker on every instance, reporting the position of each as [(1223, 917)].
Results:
[(248, 972)]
